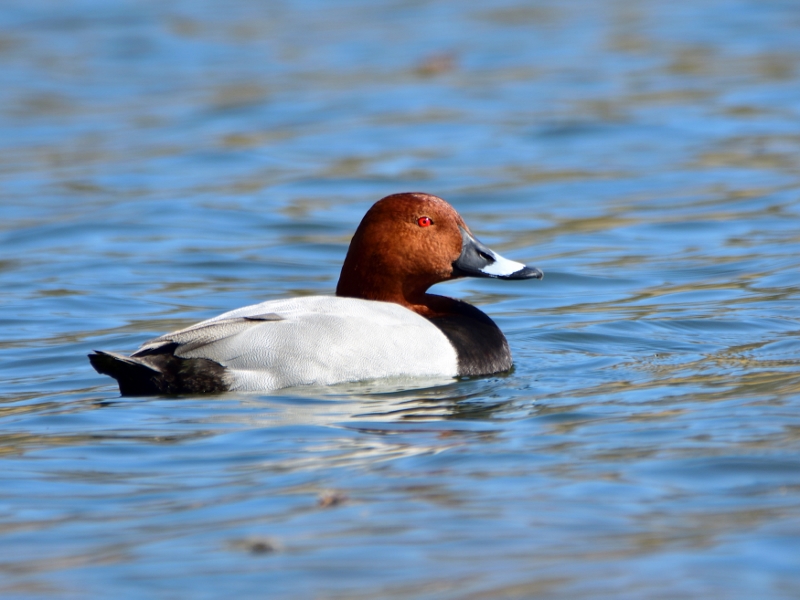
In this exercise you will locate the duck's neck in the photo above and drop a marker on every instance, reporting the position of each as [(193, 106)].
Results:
[(413, 298)]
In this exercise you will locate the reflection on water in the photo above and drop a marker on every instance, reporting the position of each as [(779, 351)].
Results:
[(160, 164)]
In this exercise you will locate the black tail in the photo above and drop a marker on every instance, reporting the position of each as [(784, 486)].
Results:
[(160, 373)]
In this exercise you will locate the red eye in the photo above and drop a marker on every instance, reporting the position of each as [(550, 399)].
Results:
[(424, 222)]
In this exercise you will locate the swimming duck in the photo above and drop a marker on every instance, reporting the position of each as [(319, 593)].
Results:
[(381, 323)]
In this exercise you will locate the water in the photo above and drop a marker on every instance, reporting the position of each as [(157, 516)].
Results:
[(163, 162)]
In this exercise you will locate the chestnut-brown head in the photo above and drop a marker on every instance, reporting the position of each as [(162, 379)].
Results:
[(407, 243)]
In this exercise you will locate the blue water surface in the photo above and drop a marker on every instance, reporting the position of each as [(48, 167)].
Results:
[(161, 163)]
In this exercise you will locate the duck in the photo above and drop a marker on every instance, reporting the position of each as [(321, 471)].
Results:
[(382, 323)]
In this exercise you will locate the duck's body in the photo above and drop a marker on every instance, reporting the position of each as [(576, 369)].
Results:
[(382, 322)]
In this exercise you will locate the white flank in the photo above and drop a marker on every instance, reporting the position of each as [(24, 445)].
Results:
[(318, 340)]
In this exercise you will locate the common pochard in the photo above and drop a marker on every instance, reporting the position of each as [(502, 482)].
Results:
[(381, 323)]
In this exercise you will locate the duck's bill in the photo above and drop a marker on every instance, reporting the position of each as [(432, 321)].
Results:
[(477, 260)]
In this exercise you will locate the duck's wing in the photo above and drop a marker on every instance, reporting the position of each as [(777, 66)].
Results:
[(194, 338), (160, 366)]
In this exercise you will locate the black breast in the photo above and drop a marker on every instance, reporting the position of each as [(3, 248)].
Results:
[(481, 347)]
